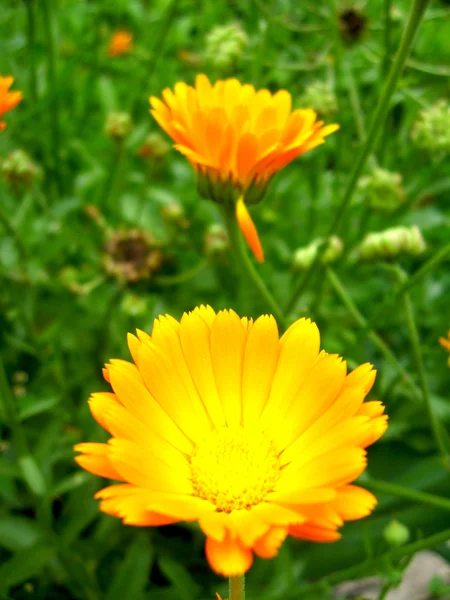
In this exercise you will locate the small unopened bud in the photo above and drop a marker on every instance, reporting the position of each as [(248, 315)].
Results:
[(118, 125), (383, 189), (225, 45), (398, 241), (19, 169), (319, 96), (216, 240), (173, 213), (134, 305), (432, 129), (155, 146), (396, 534), (304, 257)]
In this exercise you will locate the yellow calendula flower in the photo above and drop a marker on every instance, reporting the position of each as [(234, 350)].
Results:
[(236, 138), (121, 43), (445, 343), (8, 100), (218, 420)]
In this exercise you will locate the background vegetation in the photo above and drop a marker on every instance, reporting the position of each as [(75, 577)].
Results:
[(72, 284)]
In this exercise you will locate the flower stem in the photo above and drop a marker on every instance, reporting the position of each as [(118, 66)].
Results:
[(236, 587), (379, 116), (362, 322), (31, 43), (392, 489), (415, 343), (241, 255), (368, 567), (48, 10), (406, 285)]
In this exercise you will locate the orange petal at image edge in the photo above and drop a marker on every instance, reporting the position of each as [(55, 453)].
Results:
[(249, 230)]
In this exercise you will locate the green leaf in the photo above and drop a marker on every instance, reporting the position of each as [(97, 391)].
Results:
[(133, 575), (23, 565), (17, 533), (179, 577), (32, 475)]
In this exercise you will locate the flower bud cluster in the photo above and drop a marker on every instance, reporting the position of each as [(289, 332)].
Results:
[(383, 189), (19, 169), (398, 241), (304, 257), (118, 125), (225, 45), (432, 129), (319, 96)]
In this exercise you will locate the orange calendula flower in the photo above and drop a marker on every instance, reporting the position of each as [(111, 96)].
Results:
[(219, 421), (445, 343), (8, 100), (121, 43), (235, 137)]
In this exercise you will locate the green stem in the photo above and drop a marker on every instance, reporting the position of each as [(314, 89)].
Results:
[(5, 221), (241, 255), (113, 178), (31, 42), (406, 285), (379, 116), (236, 587), (167, 280), (373, 565), (362, 322), (53, 93), (392, 489), (157, 49), (415, 343)]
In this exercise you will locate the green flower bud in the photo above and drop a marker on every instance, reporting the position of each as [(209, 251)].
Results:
[(304, 257), (134, 305), (19, 169), (320, 97), (383, 189), (225, 45), (216, 240), (396, 534), (432, 129), (407, 241), (118, 125), (155, 146)]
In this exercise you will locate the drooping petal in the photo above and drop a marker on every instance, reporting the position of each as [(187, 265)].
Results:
[(249, 230)]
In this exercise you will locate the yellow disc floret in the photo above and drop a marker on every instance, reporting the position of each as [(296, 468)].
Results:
[(235, 468)]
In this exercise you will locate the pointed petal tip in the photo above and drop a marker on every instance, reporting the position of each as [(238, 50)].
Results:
[(249, 230)]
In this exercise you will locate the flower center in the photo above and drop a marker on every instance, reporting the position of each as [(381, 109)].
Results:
[(234, 468)]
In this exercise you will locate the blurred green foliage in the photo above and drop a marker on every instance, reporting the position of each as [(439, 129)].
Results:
[(63, 313)]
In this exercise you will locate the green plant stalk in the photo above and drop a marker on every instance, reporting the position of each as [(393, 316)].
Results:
[(392, 489), (236, 587), (113, 178), (415, 343), (379, 116), (5, 221), (31, 43), (373, 565), (362, 322), (157, 49), (408, 284), (246, 265), (47, 12), (168, 280)]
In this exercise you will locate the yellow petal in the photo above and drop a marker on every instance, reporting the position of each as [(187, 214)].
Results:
[(228, 558)]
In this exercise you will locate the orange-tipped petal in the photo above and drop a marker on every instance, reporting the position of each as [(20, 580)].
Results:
[(249, 230)]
